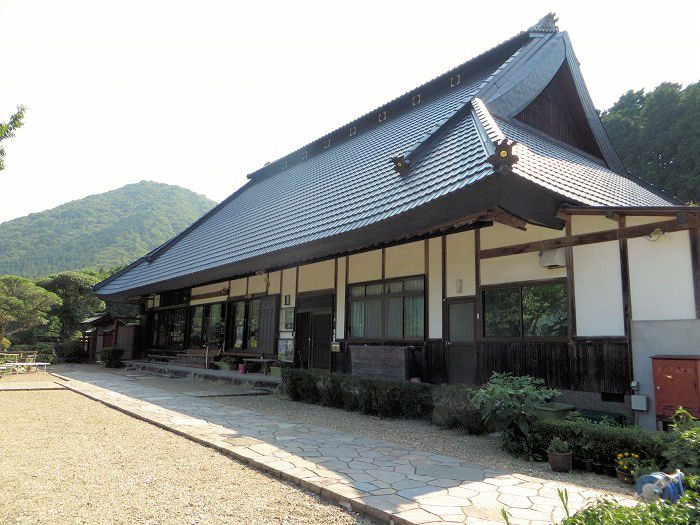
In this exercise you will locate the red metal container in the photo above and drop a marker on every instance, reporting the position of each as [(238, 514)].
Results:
[(676, 383)]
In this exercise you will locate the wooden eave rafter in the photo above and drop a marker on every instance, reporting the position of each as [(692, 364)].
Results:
[(629, 232), (638, 210)]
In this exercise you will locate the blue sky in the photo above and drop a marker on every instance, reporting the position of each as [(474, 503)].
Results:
[(201, 93)]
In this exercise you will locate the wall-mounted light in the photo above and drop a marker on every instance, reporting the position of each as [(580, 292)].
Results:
[(287, 300), (458, 285)]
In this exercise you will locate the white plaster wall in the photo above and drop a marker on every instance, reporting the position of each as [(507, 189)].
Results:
[(513, 268), (289, 284), (238, 287), (500, 235), (210, 288), (591, 223), (661, 278), (404, 259), (460, 264), (435, 288), (274, 283), (257, 283), (340, 300), (316, 276), (637, 220), (598, 290), (365, 266)]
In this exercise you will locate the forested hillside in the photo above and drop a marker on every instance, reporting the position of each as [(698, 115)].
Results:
[(100, 231), (657, 135)]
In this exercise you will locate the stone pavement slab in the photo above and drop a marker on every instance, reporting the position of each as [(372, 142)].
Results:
[(382, 479)]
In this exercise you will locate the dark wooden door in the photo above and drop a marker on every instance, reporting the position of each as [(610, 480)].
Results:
[(303, 339), (460, 330), (322, 332)]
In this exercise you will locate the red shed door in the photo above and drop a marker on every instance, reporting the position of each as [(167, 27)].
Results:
[(676, 384)]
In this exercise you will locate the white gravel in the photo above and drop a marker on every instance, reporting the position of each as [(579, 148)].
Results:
[(67, 459)]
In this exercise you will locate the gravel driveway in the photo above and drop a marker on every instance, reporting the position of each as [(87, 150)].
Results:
[(67, 459)]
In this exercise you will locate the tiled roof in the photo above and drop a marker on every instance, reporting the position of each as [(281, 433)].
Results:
[(352, 184), (573, 173)]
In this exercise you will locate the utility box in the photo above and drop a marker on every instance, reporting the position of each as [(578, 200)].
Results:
[(676, 383)]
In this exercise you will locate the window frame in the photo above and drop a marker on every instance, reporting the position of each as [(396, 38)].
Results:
[(519, 285), (231, 323), (205, 322), (349, 299)]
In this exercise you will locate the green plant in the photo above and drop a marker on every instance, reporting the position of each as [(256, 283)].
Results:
[(683, 447), (73, 351), (606, 512), (558, 446), (111, 356), (5, 343), (454, 406), (377, 396), (627, 462), (604, 441), (508, 403)]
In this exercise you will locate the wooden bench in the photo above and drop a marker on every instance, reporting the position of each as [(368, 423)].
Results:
[(29, 364), (197, 357)]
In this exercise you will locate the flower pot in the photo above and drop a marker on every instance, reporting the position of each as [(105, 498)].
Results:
[(276, 371), (611, 470), (587, 465), (241, 369), (625, 477), (560, 461), (598, 468)]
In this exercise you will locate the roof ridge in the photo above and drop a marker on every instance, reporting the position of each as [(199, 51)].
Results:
[(345, 131)]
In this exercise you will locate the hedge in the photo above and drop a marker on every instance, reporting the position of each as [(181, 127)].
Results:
[(599, 442), (45, 352), (371, 395), (111, 356)]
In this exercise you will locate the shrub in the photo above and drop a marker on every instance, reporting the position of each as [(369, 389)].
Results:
[(382, 397), (508, 403), (45, 352), (73, 351), (606, 512), (329, 390), (454, 406), (601, 443), (111, 356), (683, 447), (558, 446)]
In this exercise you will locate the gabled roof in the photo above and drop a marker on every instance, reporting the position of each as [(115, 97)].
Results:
[(407, 168)]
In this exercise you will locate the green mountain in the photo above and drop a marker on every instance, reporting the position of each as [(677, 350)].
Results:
[(99, 231)]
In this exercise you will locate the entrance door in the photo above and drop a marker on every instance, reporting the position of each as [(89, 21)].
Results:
[(303, 339), (460, 340), (322, 333), (314, 331)]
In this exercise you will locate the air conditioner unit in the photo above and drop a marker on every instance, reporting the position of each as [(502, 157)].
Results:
[(555, 258)]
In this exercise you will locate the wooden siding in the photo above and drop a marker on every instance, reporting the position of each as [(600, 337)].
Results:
[(591, 366)]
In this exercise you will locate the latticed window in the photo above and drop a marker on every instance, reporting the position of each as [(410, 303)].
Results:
[(387, 310)]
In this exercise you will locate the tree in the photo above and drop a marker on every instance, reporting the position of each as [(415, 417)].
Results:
[(657, 135), (23, 305), (8, 131), (78, 300)]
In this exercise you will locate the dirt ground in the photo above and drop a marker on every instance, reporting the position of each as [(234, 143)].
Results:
[(65, 459)]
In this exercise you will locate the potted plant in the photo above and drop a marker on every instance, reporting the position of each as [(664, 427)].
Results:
[(626, 464), (559, 455), (586, 458)]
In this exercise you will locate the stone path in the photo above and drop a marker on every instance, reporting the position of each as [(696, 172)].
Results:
[(384, 480)]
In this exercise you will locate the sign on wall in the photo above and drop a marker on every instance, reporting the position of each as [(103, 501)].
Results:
[(285, 350)]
